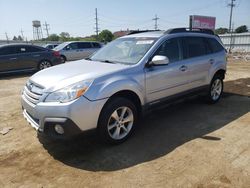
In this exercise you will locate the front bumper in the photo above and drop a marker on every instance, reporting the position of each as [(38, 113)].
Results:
[(75, 116)]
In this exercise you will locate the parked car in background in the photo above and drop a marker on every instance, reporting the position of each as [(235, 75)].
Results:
[(77, 50), (124, 79), (50, 46), (24, 57)]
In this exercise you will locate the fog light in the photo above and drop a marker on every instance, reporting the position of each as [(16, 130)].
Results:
[(59, 129)]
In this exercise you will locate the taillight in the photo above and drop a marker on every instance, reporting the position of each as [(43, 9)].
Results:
[(56, 53)]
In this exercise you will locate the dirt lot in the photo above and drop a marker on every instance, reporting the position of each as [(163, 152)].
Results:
[(190, 144)]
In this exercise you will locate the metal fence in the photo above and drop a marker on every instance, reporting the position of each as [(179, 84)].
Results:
[(39, 43), (240, 42)]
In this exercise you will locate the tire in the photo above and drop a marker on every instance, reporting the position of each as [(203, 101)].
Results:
[(117, 120), (63, 58), (215, 89), (44, 64)]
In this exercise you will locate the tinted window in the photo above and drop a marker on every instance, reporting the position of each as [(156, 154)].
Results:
[(170, 48), (85, 45), (194, 47), (8, 50), (34, 49), (214, 45), (96, 45)]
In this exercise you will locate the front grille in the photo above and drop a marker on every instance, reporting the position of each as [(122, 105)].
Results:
[(32, 92)]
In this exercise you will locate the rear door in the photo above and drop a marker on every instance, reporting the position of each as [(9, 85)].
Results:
[(30, 56), (9, 59), (198, 59), (85, 49)]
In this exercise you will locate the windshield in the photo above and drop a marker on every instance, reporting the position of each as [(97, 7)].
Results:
[(124, 50)]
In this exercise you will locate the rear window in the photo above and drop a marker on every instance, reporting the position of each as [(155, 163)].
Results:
[(84, 45), (215, 46), (28, 49), (96, 45), (194, 47)]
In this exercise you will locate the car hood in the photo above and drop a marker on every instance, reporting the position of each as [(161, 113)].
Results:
[(60, 76)]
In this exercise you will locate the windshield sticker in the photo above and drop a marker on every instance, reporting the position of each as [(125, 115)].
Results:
[(144, 42)]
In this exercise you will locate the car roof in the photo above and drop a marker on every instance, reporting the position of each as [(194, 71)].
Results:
[(151, 34), (159, 34), (17, 44)]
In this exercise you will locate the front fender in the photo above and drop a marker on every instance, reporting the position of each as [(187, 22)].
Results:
[(107, 88)]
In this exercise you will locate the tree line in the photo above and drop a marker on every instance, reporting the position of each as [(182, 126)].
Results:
[(104, 36), (240, 29)]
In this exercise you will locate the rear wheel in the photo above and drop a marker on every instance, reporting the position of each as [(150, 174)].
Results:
[(117, 120), (215, 89), (63, 58), (44, 64)]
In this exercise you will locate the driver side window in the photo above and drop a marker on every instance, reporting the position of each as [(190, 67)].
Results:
[(171, 49)]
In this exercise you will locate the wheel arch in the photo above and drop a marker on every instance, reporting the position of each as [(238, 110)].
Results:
[(130, 95)]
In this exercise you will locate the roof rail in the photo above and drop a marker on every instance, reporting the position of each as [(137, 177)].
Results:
[(140, 31), (193, 30)]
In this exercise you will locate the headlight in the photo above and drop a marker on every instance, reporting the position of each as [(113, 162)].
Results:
[(69, 93)]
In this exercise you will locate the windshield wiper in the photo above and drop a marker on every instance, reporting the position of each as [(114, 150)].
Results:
[(88, 59), (107, 61)]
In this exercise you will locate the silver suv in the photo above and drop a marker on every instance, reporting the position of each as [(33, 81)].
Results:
[(70, 51), (122, 81)]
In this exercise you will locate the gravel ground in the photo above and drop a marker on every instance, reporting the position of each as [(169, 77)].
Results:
[(189, 144)]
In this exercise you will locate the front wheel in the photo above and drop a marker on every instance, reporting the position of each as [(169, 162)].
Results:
[(117, 120), (215, 89)]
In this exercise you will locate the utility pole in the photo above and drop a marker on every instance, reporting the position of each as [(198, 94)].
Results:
[(46, 28), (230, 23), (156, 22), (7, 38), (96, 24), (22, 34)]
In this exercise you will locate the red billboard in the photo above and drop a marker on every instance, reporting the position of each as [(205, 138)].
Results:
[(203, 22)]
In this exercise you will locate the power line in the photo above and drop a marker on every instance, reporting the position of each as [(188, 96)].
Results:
[(230, 22), (46, 28), (231, 14), (156, 20), (7, 38), (22, 34), (96, 23)]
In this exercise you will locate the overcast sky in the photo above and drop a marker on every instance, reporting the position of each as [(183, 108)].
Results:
[(77, 16)]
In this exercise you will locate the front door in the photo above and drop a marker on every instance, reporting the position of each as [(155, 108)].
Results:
[(166, 80)]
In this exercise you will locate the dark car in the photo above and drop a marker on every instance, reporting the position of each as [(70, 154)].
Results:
[(24, 57)]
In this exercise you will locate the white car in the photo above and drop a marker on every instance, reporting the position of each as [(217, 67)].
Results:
[(70, 51)]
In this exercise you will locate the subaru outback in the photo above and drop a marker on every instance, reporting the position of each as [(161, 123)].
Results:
[(110, 90)]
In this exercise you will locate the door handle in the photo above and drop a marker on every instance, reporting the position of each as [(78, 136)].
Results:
[(13, 58), (183, 68), (211, 61)]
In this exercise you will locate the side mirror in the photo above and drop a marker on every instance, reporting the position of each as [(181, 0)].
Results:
[(159, 60)]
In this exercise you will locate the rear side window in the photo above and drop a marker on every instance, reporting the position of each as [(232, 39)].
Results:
[(170, 48), (194, 47), (8, 50), (215, 46), (34, 49), (85, 45), (28, 49), (96, 45)]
